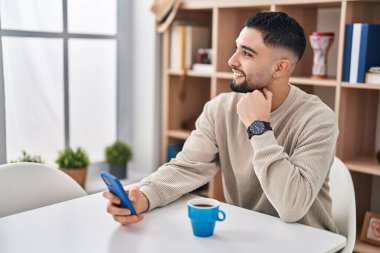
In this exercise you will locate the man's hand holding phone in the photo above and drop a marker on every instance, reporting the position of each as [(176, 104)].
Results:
[(124, 215), (124, 205)]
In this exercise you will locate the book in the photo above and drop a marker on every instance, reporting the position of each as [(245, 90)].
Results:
[(177, 50), (365, 51), (347, 52), (371, 77), (355, 49), (374, 69)]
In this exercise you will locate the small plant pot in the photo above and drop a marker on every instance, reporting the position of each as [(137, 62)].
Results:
[(118, 170), (78, 174)]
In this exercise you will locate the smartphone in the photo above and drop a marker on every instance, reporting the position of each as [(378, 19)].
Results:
[(117, 189)]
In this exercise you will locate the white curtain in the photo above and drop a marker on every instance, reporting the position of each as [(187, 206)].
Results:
[(33, 75), (32, 15), (92, 68)]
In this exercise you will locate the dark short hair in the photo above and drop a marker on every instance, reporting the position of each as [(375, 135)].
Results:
[(279, 30)]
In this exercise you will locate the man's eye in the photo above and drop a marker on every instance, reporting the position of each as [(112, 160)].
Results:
[(245, 53)]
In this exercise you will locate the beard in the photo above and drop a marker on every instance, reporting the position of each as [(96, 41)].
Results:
[(252, 82)]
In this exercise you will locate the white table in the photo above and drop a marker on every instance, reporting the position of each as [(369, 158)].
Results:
[(82, 225)]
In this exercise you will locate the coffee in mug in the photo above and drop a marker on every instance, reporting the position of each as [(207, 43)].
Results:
[(203, 205), (203, 214)]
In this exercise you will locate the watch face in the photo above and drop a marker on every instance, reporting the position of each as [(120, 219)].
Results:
[(257, 127)]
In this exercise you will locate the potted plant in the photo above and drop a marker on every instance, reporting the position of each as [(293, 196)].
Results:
[(25, 157), (74, 163), (117, 156)]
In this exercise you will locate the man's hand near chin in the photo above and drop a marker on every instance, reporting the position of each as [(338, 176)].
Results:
[(255, 105), (123, 215)]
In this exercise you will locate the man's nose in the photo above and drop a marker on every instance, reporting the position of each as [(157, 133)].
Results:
[(233, 61)]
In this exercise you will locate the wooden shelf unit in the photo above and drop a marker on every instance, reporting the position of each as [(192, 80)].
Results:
[(179, 134), (184, 92), (366, 164), (362, 247)]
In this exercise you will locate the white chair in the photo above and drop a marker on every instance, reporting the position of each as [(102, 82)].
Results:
[(26, 186), (343, 203)]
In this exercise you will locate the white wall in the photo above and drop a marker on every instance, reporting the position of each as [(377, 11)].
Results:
[(2, 113), (146, 94)]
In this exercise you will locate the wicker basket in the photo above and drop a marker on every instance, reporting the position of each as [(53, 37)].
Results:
[(78, 174)]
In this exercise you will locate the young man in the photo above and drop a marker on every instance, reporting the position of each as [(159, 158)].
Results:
[(273, 142)]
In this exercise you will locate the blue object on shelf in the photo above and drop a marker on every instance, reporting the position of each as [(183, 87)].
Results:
[(173, 149)]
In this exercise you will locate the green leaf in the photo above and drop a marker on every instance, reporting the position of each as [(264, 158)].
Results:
[(118, 153), (72, 159)]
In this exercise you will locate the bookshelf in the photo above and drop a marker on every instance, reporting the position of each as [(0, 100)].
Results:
[(356, 105)]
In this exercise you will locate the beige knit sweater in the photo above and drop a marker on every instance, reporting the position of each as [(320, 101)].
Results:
[(283, 172)]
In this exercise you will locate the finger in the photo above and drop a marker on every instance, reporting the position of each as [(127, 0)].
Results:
[(256, 92), (126, 220), (268, 94), (111, 197), (133, 194), (114, 210)]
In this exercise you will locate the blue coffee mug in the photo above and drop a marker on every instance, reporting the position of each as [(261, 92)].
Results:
[(203, 214)]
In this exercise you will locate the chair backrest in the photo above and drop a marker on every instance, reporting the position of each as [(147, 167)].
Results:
[(343, 202), (26, 186)]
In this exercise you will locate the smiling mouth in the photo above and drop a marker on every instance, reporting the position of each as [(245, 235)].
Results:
[(237, 74)]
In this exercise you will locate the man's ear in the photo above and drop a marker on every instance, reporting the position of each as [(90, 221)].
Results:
[(283, 67)]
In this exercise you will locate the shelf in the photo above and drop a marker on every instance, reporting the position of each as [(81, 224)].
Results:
[(367, 165), (314, 81), (179, 134), (224, 75), (363, 247), (191, 73), (368, 86), (209, 4), (310, 3)]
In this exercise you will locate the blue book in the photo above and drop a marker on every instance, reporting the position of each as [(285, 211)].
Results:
[(369, 49), (365, 50), (347, 53)]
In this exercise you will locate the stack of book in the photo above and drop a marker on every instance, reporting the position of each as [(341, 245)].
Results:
[(185, 41), (361, 51), (373, 75)]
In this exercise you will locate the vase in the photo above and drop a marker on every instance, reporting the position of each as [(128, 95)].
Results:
[(321, 43), (118, 170), (78, 174)]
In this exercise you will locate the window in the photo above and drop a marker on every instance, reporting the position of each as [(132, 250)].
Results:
[(59, 61)]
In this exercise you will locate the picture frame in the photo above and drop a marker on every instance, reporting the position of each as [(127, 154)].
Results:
[(371, 229)]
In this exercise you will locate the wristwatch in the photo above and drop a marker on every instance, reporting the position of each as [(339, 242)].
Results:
[(258, 128)]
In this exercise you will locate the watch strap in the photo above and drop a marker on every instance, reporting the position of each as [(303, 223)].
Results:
[(267, 127)]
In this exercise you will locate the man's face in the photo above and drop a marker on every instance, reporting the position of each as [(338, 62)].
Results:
[(252, 63)]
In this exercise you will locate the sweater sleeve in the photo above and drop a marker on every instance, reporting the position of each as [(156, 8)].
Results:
[(292, 183), (193, 167)]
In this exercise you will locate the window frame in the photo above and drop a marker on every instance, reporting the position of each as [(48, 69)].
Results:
[(123, 51)]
